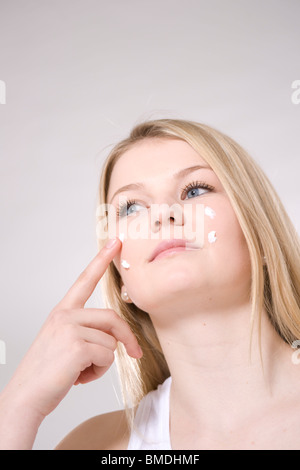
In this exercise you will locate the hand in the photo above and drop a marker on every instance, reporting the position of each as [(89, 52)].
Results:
[(75, 345)]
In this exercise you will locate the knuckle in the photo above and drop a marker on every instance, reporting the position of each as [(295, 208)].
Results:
[(110, 311), (112, 314), (58, 315), (70, 332), (79, 345), (61, 328), (79, 350), (114, 343), (110, 357)]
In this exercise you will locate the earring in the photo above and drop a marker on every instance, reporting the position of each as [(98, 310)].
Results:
[(264, 260), (125, 296)]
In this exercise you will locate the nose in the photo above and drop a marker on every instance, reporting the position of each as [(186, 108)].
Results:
[(163, 215)]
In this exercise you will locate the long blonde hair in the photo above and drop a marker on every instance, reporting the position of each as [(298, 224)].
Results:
[(267, 228)]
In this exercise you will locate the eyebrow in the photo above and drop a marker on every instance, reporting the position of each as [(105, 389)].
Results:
[(178, 175)]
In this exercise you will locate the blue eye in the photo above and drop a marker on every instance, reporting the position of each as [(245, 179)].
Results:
[(131, 207), (193, 192), (193, 189), (128, 207)]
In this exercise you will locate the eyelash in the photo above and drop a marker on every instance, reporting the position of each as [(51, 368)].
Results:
[(184, 190), (125, 206), (196, 185)]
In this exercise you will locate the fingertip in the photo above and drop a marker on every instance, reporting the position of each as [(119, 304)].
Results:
[(138, 354), (112, 243), (134, 351)]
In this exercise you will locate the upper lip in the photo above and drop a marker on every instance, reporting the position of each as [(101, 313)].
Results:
[(166, 245)]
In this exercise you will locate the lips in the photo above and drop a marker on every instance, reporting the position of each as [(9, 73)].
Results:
[(166, 246)]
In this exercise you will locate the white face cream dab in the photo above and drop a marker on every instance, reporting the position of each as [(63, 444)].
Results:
[(125, 264), (212, 237), (209, 212)]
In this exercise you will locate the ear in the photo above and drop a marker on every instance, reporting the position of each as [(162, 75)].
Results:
[(125, 296)]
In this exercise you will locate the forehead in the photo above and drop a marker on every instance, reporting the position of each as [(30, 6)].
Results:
[(151, 159)]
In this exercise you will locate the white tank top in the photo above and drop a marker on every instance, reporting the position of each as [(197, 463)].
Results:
[(151, 429)]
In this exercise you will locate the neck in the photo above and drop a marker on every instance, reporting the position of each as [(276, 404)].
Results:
[(216, 377)]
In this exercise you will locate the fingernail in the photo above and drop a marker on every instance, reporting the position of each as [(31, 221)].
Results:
[(111, 243)]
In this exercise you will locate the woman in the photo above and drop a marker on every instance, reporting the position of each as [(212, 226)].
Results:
[(204, 334)]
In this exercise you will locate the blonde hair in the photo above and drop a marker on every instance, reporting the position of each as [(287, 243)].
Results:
[(267, 228)]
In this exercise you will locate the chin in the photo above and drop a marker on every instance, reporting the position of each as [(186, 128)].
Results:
[(166, 290)]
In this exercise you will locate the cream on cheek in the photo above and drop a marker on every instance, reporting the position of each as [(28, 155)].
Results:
[(125, 264), (212, 237), (209, 212)]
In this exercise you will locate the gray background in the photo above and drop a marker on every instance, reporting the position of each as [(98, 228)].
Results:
[(79, 74)]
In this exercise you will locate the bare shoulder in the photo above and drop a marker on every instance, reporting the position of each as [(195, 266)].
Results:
[(109, 431)]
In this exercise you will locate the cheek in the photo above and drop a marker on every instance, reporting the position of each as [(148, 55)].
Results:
[(230, 244), (139, 284), (222, 232), (130, 260), (206, 222)]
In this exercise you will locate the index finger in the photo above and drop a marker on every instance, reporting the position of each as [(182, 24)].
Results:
[(84, 286)]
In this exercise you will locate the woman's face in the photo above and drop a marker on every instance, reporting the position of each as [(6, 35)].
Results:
[(212, 276)]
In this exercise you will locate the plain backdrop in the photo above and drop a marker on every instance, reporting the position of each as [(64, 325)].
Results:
[(79, 74)]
